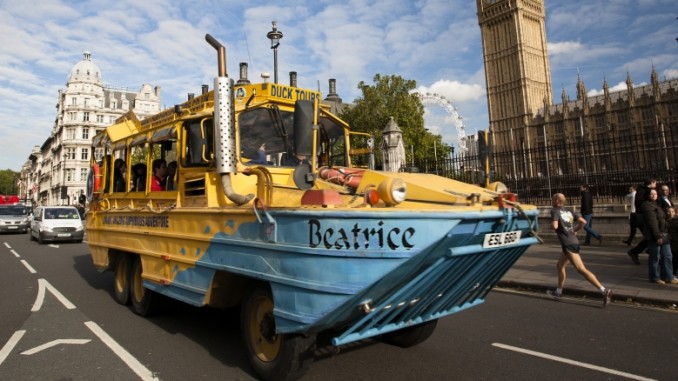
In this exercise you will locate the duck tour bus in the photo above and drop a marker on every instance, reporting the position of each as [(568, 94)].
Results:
[(252, 196)]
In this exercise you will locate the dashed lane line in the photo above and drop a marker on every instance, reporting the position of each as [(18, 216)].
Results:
[(573, 362), (29, 267)]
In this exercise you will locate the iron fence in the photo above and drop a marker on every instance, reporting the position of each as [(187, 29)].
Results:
[(608, 164)]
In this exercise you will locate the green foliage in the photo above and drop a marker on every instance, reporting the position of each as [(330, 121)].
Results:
[(8, 179), (393, 96)]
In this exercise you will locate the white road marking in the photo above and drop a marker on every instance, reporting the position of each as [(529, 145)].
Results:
[(44, 284), (15, 253), (573, 362), (53, 245), (54, 343), (125, 356), (30, 269), (7, 245), (4, 352)]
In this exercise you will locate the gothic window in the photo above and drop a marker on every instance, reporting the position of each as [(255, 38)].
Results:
[(647, 113)]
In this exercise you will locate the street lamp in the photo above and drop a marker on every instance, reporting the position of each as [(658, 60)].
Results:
[(275, 35)]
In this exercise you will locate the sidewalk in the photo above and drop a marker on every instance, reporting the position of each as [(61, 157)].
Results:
[(536, 270)]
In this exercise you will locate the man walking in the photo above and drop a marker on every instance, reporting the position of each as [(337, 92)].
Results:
[(566, 224), (641, 196), (587, 213)]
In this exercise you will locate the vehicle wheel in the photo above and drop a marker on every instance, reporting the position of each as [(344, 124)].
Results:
[(121, 281), (40, 241), (410, 336), (273, 356), (144, 301), (30, 236)]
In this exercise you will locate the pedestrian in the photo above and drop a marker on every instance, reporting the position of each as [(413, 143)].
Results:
[(633, 221), (641, 196), (673, 238), (566, 224), (587, 213), (656, 232), (665, 198)]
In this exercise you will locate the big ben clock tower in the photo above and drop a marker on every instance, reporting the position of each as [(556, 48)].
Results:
[(517, 70)]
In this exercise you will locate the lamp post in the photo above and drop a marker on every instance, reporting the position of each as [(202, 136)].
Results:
[(275, 35)]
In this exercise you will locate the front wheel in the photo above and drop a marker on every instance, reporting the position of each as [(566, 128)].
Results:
[(410, 336), (273, 356), (144, 301)]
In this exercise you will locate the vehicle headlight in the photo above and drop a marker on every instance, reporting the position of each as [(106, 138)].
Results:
[(46, 228), (79, 228), (393, 191)]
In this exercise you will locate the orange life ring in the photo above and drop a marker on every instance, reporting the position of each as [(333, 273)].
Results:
[(93, 182)]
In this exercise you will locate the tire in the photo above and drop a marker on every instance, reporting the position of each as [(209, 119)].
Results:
[(40, 241), (30, 235), (273, 356), (122, 278), (410, 336), (144, 301)]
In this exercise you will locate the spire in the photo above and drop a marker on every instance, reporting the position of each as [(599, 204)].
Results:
[(581, 88)]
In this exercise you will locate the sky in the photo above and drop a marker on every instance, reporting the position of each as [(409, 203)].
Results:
[(434, 42)]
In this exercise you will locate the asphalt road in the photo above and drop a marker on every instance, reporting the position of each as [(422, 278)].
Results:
[(60, 322)]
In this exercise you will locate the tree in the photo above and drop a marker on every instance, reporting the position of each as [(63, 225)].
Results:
[(8, 179), (393, 96)]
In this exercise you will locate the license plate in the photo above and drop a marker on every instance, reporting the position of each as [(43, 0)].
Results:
[(501, 239), (64, 235), (12, 227)]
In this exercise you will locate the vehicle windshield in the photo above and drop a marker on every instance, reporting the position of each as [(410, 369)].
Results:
[(13, 211), (62, 214)]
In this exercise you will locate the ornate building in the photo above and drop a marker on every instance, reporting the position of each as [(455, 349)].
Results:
[(631, 129), (56, 171)]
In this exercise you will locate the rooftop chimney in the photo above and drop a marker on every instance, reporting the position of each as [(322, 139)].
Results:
[(205, 89), (243, 75), (293, 78), (332, 96)]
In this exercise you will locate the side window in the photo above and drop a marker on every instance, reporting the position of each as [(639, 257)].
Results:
[(138, 166), (198, 143), (119, 170), (163, 159)]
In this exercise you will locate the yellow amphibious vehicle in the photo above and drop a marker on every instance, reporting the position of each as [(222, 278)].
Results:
[(248, 195)]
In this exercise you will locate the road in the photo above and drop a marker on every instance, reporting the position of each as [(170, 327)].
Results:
[(60, 322)]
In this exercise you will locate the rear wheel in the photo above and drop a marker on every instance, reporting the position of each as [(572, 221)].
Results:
[(273, 356), (144, 301), (410, 336), (123, 270)]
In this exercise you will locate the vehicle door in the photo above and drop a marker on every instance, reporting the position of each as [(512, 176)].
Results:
[(36, 221)]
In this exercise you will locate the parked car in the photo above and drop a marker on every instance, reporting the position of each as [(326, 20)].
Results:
[(14, 218), (56, 223)]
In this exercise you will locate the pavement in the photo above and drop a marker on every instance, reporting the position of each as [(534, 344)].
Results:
[(536, 270)]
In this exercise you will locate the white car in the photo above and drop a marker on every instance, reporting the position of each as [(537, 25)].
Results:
[(56, 223), (14, 218)]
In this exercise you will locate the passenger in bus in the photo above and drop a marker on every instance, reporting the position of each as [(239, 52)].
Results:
[(171, 172), (159, 168), (119, 169), (139, 175)]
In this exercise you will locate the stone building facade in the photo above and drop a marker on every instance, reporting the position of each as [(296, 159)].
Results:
[(56, 172)]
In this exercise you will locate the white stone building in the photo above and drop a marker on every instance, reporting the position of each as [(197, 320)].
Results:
[(56, 171)]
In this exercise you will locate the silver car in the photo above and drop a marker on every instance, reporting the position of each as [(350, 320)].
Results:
[(14, 218)]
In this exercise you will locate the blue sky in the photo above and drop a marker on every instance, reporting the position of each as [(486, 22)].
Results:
[(435, 42)]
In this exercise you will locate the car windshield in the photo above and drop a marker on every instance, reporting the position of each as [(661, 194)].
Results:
[(13, 211), (61, 214)]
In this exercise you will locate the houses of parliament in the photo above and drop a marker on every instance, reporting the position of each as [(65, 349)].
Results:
[(635, 129)]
